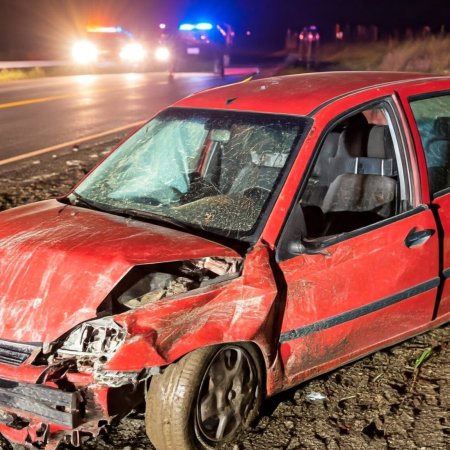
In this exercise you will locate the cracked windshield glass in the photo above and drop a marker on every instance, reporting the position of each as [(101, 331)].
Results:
[(203, 169)]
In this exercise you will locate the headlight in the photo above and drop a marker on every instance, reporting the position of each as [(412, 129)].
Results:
[(98, 338), (84, 52), (162, 54), (133, 52)]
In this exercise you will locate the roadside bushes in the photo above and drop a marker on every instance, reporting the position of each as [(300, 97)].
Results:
[(21, 74), (430, 54), (420, 55)]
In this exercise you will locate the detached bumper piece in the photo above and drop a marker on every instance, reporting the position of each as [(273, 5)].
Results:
[(50, 404)]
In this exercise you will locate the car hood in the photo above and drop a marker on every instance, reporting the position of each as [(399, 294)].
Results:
[(59, 262)]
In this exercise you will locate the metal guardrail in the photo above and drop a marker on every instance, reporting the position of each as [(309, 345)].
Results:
[(30, 64)]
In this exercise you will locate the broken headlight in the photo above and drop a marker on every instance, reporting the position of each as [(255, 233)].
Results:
[(96, 338), (149, 283)]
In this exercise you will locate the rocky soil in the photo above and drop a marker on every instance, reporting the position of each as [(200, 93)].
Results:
[(379, 402)]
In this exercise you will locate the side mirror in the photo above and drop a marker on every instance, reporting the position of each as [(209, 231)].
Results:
[(291, 240), (298, 248)]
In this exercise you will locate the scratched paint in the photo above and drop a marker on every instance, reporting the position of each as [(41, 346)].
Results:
[(62, 262)]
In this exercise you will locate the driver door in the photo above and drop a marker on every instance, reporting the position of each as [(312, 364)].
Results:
[(366, 272)]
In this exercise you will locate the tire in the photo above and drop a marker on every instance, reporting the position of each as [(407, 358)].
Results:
[(185, 402)]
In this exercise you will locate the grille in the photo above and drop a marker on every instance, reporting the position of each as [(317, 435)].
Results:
[(14, 353)]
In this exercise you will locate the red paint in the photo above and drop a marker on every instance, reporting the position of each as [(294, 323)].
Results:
[(59, 263), (53, 255)]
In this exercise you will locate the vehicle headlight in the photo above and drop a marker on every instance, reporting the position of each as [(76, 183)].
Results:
[(162, 54), (95, 338), (133, 52), (84, 52)]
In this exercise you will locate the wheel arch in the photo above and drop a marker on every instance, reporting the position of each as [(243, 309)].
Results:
[(255, 348)]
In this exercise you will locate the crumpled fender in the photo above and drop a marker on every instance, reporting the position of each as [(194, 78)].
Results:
[(241, 310)]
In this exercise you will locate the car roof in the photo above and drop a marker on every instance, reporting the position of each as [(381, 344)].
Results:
[(295, 94)]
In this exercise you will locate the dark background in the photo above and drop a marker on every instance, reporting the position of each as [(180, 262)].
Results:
[(38, 28)]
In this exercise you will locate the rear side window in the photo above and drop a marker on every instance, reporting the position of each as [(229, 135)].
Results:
[(433, 122)]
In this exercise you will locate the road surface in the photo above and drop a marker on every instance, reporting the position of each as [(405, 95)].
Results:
[(43, 115)]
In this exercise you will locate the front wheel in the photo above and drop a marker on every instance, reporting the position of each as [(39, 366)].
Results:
[(205, 399)]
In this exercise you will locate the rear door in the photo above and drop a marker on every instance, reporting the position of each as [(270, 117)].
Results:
[(365, 273), (427, 107)]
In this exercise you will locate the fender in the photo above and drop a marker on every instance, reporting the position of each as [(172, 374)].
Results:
[(241, 310)]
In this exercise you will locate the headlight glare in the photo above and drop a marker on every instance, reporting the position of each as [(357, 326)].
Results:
[(162, 54), (84, 52), (133, 52)]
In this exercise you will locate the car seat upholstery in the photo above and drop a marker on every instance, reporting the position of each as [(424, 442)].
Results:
[(353, 183), (358, 193)]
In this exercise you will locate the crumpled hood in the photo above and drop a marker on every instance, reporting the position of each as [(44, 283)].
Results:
[(58, 263)]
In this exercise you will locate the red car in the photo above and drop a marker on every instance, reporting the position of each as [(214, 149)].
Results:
[(244, 240)]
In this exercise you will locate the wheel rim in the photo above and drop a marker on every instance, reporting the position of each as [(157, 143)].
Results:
[(227, 394)]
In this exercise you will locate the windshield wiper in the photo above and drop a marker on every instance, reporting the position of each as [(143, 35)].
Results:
[(79, 199), (134, 213), (138, 214)]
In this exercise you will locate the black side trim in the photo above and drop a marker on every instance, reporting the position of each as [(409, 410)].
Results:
[(446, 273), (428, 95), (441, 193), (359, 312)]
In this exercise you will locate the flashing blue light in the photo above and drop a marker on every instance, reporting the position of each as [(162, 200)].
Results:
[(204, 26), (119, 29), (186, 27)]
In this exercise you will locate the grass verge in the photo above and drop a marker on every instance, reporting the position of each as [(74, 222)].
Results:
[(21, 74), (431, 55)]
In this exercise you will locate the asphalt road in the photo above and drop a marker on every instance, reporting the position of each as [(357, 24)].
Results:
[(43, 115)]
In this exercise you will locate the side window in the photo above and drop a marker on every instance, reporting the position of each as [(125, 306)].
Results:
[(357, 179), (433, 121)]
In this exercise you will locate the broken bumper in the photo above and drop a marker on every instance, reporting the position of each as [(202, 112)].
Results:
[(43, 415), (46, 403), (39, 415)]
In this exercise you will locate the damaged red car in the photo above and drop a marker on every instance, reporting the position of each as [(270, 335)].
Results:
[(244, 240)]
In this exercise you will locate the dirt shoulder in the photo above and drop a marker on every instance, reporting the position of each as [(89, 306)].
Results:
[(379, 402)]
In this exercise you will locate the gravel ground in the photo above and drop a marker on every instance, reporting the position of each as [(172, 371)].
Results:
[(379, 402)]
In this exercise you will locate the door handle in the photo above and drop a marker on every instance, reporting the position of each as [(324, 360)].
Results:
[(418, 237)]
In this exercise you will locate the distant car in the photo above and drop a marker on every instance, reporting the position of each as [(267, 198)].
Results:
[(108, 46), (202, 47), (244, 240), (308, 44)]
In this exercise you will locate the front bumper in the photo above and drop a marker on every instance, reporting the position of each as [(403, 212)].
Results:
[(44, 402), (43, 415)]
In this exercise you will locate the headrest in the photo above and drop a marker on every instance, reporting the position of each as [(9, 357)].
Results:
[(354, 136), (376, 145)]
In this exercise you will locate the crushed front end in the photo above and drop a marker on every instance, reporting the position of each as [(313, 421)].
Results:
[(55, 392), (72, 387)]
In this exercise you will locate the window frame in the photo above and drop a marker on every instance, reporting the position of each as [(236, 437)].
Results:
[(251, 236), (404, 162), (428, 96)]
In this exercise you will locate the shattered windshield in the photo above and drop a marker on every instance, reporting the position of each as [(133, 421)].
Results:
[(204, 169)]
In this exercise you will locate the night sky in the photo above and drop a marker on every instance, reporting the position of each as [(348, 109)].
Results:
[(34, 25)]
